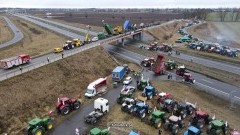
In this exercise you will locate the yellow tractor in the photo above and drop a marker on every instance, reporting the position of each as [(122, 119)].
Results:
[(76, 42), (118, 30)]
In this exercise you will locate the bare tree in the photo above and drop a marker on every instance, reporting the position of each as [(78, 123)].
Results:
[(237, 15), (222, 15)]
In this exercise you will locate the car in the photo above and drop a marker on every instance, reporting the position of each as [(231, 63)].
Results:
[(94, 39), (127, 81), (128, 89), (57, 50)]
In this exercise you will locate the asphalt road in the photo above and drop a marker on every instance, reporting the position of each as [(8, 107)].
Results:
[(18, 35)]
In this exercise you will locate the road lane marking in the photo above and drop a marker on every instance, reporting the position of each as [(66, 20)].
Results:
[(206, 81)]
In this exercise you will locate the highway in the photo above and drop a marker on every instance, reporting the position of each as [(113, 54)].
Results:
[(18, 35)]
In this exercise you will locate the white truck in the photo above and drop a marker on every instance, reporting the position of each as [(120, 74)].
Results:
[(96, 87), (101, 107), (15, 61)]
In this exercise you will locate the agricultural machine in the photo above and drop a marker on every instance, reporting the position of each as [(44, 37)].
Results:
[(76, 42), (182, 109), (165, 48), (140, 109), (181, 70), (153, 46), (170, 64), (125, 93), (149, 92), (193, 131), (97, 131), (68, 45), (168, 105), (162, 96), (159, 67), (142, 84), (147, 62), (217, 127), (187, 77), (64, 105), (157, 118), (173, 123), (39, 126), (200, 119), (128, 104)]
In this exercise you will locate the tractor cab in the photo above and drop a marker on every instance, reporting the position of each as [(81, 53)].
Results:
[(147, 61), (35, 122), (158, 114), (149, 92), (68, 42), (76, 42), (97, 131), (162, 96), (142, 84), (174, 119), (180, 70), (201, 115), (140, 109), (217, 127), (39, 126), (63, 101), (192, 131), (188, 77), (128, 101)]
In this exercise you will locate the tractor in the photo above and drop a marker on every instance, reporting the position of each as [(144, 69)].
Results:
[(125, 93), (182, 109), (187, 77), (173, 123), (147, 62), (200, 118), (157, 118), (97, 131), (168, 105), (193, 131), (217, 127), (140, 109), (68, 45), (163, 96), (170, 65), (149, 92), (39, 126), (128, 104), (64, 105), (180, 70), (142, 84), (153, 46)]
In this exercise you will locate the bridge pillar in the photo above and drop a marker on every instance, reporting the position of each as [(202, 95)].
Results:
[(122, 41)]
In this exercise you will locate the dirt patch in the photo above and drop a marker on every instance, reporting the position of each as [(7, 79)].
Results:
[(36, 40), (35, 92), (5, 32)]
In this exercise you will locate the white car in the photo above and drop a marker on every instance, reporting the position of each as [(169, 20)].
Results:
[(127, 81), (94, 39), (128, 89)]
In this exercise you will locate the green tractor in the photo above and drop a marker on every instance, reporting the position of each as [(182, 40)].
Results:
[(217, 127), (97, 131), (122, 96), (39, 126), (157, 118), (142, 84), (170, 65)]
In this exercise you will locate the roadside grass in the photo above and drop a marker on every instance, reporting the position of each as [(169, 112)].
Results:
[(5, 31)]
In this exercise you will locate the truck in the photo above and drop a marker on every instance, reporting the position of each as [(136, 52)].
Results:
[(96, 87), (127, 26), (15, 61), (101, 107), (108, 28), (159, 66), (118, 73), (101, 35)]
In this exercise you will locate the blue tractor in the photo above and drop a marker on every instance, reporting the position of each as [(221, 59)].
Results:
[(141, 109), (149, 92), (193, 131)]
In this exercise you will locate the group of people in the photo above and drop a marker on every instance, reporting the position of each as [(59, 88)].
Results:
[(169, 76)]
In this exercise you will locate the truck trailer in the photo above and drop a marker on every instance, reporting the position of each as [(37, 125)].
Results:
[(118, 73), (96, 87), (15, 61)]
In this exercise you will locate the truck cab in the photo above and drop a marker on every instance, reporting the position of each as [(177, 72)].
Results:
[(101, 105), (96, 87)]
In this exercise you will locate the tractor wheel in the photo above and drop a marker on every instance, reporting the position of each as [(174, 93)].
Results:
[(200, 124), (143, 94), (174, 130), (49, 126), (181, 124), (183, 114), (158, 125), (149, 97), (93, 121), (209, 129), (37, 132), (143, 115), (65, 110), (219, 132), (131, 110), (76, 105), (164, 118), (166, 126)]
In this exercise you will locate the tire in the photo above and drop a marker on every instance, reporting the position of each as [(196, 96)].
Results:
[(76, 105), (49, 126), (131, 110), (200, 125), (149, 97), (183, 114), (166, 126), (174, 130), (65, 110), (219, 132), (158, 125), (143, 115), (37, 132), (209, 129), (93, 121)]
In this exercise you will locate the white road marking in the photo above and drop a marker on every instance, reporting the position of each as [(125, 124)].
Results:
[(206, 81), (212, 88)]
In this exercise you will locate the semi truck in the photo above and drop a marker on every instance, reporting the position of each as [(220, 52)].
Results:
[(15, 61), (96, 87), (118, 73)]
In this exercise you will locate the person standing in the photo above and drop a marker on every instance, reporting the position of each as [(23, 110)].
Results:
[(20, 68), (48, 59), (62, 55)]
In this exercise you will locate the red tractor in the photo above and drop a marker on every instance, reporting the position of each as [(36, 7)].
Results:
[(65, 105), (162, 96), (148, 62), (153, 46), (200, 118), (187, 77), (181, 70)]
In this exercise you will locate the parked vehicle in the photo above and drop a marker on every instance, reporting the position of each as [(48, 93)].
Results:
[(127, 81), (170, 64), (168, 105), (147, 62), (193, 131), (157, 118), (187, 77), (173, 123), (39, 126), (101, 107), (180, 70), (149, 92), (15, 61), (118, 29), (118, 73), (57, 50), (97, 131), (76, 42), (133, 133), (217, 127), (182, 109), (64, 105), (153, 46), (141, 109), (142, 84), (97, 87), (68, 45), (101, 35), (94, 39), (162, 96), (127, 105), (126, 92), (159, 67), (200, 119)]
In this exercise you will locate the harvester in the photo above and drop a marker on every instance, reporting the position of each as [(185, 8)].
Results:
[(159, 67), (39, 126)]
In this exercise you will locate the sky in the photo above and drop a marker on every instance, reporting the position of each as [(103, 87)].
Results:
[(120, 3)]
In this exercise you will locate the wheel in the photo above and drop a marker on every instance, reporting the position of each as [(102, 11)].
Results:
[(149, 97), (200, 124), (174, 130), (93, 121), (209, 129), (158, 125), (181, 124), (49, 126), (65, 110), (183, 114), (37, 132), (219, 132), (166, 126), (131, 110), (143, 115), (76, 105)]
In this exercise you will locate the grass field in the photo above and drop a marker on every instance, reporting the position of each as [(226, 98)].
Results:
[(179, 91), (36, 40), (5, 32)]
